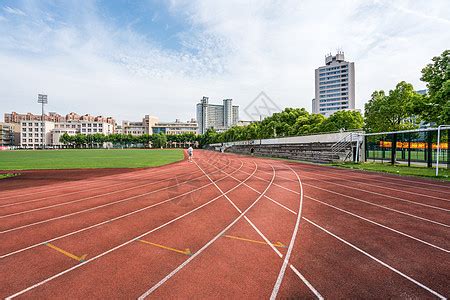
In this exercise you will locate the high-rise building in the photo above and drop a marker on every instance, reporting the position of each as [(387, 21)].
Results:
[(335, 86), (216, 116)]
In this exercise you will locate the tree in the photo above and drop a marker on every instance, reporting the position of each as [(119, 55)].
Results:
[(435, 106), (159, 140), (392, 112), (65, 138), (343, 119)]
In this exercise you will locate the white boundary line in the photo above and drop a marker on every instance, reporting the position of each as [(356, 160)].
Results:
[(84, 199), (383, 187), (384, 226), (330, 174), (117, 247), (377, 260), (107, 221), (291, 244), (386, 176), (92, 181), (181, 266), (367, 202), (83, 190), (102, 205), (268, 242)]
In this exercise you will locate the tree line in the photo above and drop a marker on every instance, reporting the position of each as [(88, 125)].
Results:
[(126, 140)]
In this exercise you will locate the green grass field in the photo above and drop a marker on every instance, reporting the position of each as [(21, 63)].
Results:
[(444, 173), (87, 158)]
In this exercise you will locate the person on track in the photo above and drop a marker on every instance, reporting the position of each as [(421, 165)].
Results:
[(190, 152)]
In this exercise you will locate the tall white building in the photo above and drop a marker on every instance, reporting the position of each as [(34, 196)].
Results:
[(335, 86), (216, 116)]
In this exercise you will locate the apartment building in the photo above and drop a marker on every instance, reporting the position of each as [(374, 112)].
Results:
[(140, 127), (334, 86), (216, 116), (9, 134)]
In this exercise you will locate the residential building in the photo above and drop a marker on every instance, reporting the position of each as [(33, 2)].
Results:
[(140, 127), (216, 116), (56, 118), (9, 134), (334, 85), (176, 127), (33, 134)]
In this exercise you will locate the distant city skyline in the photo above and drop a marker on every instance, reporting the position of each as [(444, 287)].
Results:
[(124, 59)]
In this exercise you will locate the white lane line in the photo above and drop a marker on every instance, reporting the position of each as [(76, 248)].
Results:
[(281, 205), (351, 178), (265, 196), (82, 190), (377, 260), (269, 243), (176, 270), (115, 248), (285, 262), (108, 221), (379, 194), (82, 199), (74, 184), (100, 206), (308, 284), (384, 226), (381, 225), (385, 176), (381, 206), (360, 200), (291, 244)]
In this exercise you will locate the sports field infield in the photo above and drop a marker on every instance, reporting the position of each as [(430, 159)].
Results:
[(87, 158)]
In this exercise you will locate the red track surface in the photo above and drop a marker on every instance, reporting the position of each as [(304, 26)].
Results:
[(255, 228)]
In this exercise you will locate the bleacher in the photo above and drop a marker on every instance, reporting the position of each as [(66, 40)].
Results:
[(313, 152)]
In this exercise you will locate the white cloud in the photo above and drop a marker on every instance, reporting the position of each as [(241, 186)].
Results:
[(14, 11), (232, 49)]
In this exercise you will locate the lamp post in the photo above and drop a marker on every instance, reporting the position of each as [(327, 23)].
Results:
[(43, 100)]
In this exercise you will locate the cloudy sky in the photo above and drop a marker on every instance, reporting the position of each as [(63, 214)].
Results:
[(131, 58)]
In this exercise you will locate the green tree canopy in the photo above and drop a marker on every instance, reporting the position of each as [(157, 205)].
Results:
[(392, 112), (343, 119), (435, 106), (159, 140)]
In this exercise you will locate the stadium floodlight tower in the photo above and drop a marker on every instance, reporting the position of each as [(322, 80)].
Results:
[(43, 100)]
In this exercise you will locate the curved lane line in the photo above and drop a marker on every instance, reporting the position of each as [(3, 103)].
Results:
[(82, 199), (377, 260), (116, 247), (277, 285), (107, 221), (100, 206), (181, 266)]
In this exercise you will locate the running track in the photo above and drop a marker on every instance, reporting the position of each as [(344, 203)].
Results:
[(228, 226)]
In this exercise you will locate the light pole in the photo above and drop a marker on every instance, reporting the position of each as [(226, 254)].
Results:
[(43, 100)]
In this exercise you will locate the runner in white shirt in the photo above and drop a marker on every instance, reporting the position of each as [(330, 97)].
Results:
[(190, 152)]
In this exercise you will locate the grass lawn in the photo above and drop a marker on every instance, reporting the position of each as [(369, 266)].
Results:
[(87, 158), (444, 173)]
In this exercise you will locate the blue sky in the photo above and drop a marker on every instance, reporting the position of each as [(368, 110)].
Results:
[(131, 58)]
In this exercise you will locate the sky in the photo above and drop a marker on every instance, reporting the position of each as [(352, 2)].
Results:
[(126, 58)]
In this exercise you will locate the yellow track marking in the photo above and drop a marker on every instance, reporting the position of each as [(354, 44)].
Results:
[(277, 244), (185, 251), (78, 258)]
